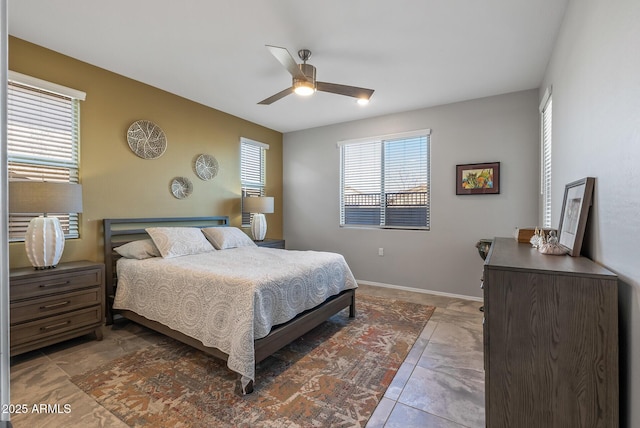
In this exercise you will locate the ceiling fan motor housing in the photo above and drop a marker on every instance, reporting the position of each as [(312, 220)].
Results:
[(310, 72)]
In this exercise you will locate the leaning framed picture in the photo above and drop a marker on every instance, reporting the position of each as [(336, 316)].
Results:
[(478, 178), (575, 211)]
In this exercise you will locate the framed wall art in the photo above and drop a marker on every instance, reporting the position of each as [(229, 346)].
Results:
[(478, 178), (575, 211)]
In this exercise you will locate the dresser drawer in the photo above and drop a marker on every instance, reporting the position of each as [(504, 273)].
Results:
[(47, 327), (54, 283), (52, 305)]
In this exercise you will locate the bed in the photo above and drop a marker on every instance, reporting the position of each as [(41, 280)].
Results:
[(234, 301)]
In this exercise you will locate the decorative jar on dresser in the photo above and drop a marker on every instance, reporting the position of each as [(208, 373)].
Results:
[(550, 340), (53, 305)]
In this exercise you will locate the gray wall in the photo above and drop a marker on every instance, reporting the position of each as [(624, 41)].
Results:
[(595, 73), (503, 128)]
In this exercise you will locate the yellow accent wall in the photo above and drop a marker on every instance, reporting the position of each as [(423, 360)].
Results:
[(115, 182)]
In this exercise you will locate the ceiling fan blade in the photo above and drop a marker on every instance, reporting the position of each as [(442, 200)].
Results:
[(276, 97), (285, 58), (350, 91)]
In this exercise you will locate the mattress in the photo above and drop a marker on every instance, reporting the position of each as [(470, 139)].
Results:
[(228, 298)]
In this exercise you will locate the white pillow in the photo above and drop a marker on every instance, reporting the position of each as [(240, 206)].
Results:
[(227, 237), (140, 250), (179, 241)]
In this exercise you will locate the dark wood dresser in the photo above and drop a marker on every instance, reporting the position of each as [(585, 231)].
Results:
[(550, 340), (49, 306)]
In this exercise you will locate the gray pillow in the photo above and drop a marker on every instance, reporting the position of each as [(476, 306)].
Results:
[(179, 241), (139, 250), (227, 237)]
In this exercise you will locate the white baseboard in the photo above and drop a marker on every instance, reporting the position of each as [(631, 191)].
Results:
[(419, 290)]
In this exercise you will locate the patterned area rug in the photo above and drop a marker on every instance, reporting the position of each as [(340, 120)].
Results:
[(335, 375)]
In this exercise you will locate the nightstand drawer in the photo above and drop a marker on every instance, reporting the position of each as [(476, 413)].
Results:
[(44, 328), (55, 283), (53, 305)]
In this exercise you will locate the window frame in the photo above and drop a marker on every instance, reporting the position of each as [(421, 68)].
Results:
[(60, 167), (383, 202), (546, 147), (259, 162)]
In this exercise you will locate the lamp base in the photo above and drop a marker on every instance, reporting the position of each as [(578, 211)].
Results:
[(258, 226), (44, 242)]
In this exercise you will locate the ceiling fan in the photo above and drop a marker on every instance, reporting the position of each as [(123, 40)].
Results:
[(304, 79)]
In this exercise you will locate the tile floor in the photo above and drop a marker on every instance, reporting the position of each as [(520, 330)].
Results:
[(440, 384)]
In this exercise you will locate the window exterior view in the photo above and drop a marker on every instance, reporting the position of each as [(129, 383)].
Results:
[(385, 182)]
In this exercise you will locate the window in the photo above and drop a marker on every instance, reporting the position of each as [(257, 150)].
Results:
[(384, 181), (42, 140), (545, 158), (252, 171)]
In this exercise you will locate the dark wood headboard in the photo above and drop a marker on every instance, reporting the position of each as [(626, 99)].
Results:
[(119, 231)]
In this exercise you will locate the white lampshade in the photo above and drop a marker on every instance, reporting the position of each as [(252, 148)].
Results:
[(258, 206), (44, 240), (44, 197)]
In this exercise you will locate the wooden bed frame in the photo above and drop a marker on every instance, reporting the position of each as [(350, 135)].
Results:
[(120, 231)]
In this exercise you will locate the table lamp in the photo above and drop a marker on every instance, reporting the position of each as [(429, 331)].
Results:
[(44, 240), (258, 206)]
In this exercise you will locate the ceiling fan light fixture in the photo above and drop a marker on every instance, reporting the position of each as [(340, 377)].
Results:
[(303, 87), (304, 79)]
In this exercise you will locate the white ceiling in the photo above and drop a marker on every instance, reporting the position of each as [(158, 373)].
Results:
[(414, 53)]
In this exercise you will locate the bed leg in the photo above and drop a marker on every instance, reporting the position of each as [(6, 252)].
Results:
[(352, 307), (243, 391)]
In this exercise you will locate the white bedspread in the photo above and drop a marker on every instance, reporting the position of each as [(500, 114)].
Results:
[(228, 298)]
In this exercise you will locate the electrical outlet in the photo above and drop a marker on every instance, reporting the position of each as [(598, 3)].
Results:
[(381, 251)]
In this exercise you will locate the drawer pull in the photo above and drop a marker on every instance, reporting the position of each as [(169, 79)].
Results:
[(482, 285), (55, 305), (53, 326), (55, 284)]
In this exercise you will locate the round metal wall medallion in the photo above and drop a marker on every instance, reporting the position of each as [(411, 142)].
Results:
[(146, 139), (181, 187), (206, 167)]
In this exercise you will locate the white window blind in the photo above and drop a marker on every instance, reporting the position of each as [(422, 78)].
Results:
[(385, 181), (252, 171), (545, 164), (42, 141)]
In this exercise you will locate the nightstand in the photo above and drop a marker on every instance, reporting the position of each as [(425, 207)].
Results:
[(271, 243), (52, 305)]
